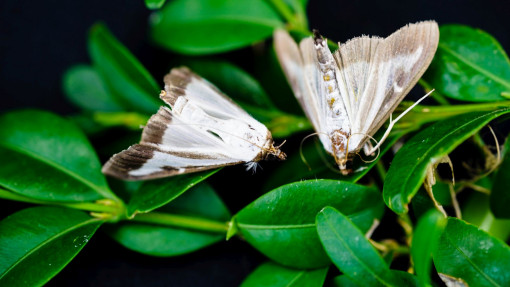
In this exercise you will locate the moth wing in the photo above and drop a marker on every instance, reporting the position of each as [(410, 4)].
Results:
[(169, 147), (300, 67), (354, 59), (182, 82), (399, 62)]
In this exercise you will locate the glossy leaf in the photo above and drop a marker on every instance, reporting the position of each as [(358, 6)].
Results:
[(424, 149), (158, 240), (271, 274), (476, 211), (281, 223), (157, 193), (199, 27), (317, 161), (46, 157), (425, 242), (154, 4), (85, 88), (404, 278), (469, 65), (500, 195), (350, 251), (36, 243), (474, 256), (129, 82)]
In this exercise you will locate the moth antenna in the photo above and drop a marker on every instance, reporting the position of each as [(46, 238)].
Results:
[(378, 149), (278, 147), (393, 122), (301, 150)]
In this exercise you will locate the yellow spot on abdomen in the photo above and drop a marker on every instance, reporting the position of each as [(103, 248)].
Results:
[(330, 89), (326, 78)]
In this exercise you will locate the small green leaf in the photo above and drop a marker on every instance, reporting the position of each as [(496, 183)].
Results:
[(198, 27), (469, 65), (350, 251), (294, 169), (85, 88), (129, 82), (36, 243), (424, 149), (474, 256), (500, 197), (281, 223), (154, 4), (159, 240), (271, 274), (156, 193), (425, 242), (46, 157)]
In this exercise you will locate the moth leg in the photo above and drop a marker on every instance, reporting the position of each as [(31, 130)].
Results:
[(368, 148), (392, 122)]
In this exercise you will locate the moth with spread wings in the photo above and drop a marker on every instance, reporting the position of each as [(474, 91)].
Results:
[(348, 95), (204, 130)]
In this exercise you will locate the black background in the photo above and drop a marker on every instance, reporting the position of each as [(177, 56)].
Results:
[(39, 40)]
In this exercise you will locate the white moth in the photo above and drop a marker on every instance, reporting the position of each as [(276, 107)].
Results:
[(204, 129), (348, 95)]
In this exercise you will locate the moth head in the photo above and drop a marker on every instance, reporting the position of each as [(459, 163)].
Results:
[(276, 153), (344, 164), (318, 39)]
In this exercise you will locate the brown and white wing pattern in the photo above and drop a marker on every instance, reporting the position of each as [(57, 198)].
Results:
[(399, 62), (198, 133)]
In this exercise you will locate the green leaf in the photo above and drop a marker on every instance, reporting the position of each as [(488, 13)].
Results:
[(281, 223), (198, 27), (85, 88), (424, 149), (405, 279), (156, 193), (46, 157), (350, 251), (36, 243), (474, 256), (425, 241), (154, 4), (129, 82), (476, 211), (500, 197), (159, 240), (271, 274), (469, 65), (294, 169)]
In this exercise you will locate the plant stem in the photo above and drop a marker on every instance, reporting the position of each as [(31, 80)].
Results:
[(405, 221), (182, 221), (87, 206)]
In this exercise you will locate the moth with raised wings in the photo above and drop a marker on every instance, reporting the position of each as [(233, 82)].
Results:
[(348, 95), (204, 129)]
